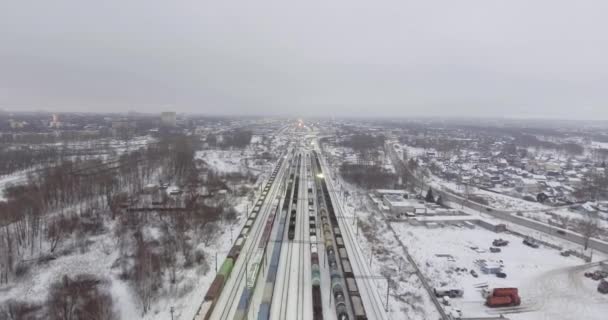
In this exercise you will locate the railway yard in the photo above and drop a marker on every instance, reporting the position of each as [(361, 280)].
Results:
[(299, 256), (294, 257)]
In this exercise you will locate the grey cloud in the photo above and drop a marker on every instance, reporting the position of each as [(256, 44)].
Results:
[(543, 58)]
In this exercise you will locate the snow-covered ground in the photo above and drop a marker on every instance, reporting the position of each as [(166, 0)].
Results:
[(222, 161), (550, 285), (495, 200), (13, 179), (100, 260), (599, 145)]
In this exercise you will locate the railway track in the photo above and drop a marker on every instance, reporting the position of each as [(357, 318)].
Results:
[(270, 286), (303, 288), (369, 295), (339, 271), (218, 302), (283, 301), (227, 309)]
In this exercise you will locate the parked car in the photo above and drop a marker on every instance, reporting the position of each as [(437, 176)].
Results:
[(598, 275), (448, 292), (501, 275), (531, 243), (474, 274), (494, 250), (500, 242)]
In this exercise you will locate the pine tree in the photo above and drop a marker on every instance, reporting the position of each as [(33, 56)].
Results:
[(429, 196)]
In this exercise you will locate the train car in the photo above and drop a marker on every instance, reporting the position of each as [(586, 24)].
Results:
[(347, 268), (312, 230), (351, 286), (341, 311), (317, 303), (249, 222), (358, 309), (339, 242), (234, 252), (315, 275), (264, 312), (243, 306), (337, 231), (215, 288), (226, 268)]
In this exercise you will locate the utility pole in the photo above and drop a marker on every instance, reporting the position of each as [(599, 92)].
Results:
[(387, 288), (172, 310)]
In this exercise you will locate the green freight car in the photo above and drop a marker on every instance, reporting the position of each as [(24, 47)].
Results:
[(226, 268)]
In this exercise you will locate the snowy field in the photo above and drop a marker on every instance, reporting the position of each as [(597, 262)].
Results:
[(222, 161), (551, 286)]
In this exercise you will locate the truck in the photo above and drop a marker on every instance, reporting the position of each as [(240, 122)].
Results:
[(503, 297)]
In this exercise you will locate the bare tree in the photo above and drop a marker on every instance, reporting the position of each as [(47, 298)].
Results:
[(79, 298), (589, 227), (18, 310)]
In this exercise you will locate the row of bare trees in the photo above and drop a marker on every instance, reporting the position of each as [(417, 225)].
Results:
[(81, 297), (34, 218)]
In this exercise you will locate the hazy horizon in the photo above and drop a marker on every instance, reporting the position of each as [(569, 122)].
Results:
[(485, 59)]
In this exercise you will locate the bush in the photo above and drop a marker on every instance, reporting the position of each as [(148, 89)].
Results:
[(79, 298)]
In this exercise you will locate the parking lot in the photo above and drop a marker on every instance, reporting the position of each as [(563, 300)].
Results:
[(551, 286)]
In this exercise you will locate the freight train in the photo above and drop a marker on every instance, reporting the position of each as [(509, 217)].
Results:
[(291, 232), (264, 311), (215, 289), (333, 240)]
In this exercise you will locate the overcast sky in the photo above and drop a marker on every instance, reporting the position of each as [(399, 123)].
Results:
[(489, 58)]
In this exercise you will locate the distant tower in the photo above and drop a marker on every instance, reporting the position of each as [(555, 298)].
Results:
[(168, 119), (55, 123)]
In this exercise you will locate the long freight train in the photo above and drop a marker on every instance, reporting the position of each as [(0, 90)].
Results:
[(215, 289), (333, 240), (317, 302), (264, 311)]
